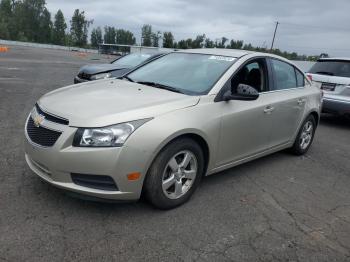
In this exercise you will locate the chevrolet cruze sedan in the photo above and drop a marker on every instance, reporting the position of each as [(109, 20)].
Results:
[(162, 127)]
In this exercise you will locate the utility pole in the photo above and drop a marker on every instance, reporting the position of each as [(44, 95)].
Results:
[(274, 35)]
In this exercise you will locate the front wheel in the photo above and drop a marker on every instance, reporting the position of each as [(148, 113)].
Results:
[(305, 136), (175, 174)]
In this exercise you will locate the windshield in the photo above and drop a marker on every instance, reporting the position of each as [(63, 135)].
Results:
[(132, 60), (193, 74), (332, 68)]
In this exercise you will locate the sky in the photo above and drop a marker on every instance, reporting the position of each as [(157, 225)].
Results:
[(306, 26)]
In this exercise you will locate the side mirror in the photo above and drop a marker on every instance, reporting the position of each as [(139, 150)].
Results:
[(244, 93)]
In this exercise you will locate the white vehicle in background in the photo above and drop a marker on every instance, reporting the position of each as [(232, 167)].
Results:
[(332, 75)]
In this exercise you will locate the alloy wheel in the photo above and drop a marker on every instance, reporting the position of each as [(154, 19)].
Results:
[(179, 174), (306, 135)]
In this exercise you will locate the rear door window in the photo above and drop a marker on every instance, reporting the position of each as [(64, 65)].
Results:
[(284, 74), (331, 68)]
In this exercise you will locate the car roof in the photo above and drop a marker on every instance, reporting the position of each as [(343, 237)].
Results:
[(237, 53), (334, 59), (218, 51)]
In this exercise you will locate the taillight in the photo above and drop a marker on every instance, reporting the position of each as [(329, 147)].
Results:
[(309, 76)]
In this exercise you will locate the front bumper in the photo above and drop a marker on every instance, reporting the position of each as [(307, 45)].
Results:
[(336, 105), (56, 164)]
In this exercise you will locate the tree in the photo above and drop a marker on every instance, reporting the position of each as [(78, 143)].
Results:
[(221, 44), (96, 37), (146, 38), (59, 29), (5, 18), (235, 44), (79, 28), (45, 27), (31, 18), (125, 37), (110, 35), (155, 38), (183, 44), (208, 43), (198, 42), (168, 40)]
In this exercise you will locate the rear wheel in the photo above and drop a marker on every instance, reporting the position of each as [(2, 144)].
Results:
[(305, 136), (175, 174)]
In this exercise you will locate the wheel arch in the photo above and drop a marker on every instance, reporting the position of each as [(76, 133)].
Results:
[(316, 115), (195, 135)]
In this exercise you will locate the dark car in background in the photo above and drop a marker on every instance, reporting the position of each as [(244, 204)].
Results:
[(116, 68)]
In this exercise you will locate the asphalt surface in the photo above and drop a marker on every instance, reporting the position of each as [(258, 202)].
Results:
[(278, 208)]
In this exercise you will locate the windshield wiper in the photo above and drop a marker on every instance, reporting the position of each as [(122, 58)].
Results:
[(325, 73), (160, 86), (126, 77)]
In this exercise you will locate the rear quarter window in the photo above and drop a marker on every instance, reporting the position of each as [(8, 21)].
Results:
[(300, 78)]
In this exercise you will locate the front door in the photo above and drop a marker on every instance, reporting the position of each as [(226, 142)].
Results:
[(246, 125)]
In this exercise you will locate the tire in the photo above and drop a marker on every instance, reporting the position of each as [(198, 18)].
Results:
[(299, 147), (170, 184)]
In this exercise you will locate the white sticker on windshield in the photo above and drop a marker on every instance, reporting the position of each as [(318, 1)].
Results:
[(222, 58)]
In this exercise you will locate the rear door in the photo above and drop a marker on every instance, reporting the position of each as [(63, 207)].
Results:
[(288, 99)]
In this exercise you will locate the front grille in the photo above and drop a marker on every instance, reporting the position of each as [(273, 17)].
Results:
[(41, 135), (51, 117), (84, 76), (95, 181)]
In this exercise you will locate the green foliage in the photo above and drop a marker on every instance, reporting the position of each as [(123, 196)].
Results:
[(168, 40), (235, 44), (5, 14), (59, 29), (146, 35), (96, 37), (45, 27), (209, 43), (155, 38), (125, 37), (199, 41), (110, 35), (79, 28)]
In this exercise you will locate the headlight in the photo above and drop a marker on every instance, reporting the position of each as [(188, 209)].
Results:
[(100, 76), (110, 136)]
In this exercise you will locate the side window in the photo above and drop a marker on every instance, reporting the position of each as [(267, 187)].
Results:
[(300, 78), (284, 73), (253, 74)]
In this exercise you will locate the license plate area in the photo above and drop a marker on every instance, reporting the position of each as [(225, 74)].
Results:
[(328, 87)]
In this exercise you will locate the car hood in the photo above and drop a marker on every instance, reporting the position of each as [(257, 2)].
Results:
[(99, 68), (107, 102)]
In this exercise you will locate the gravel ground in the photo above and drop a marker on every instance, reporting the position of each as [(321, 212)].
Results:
[(278, 208)]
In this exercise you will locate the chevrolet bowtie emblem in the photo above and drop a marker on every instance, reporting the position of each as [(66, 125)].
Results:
[(38, 119)]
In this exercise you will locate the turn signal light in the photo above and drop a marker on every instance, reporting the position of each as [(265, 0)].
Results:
[(133, 176), (309, 76)]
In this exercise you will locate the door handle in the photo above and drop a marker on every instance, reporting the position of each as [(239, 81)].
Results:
[(301, 101), (268, 109)]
